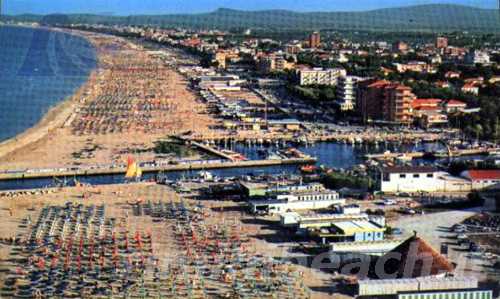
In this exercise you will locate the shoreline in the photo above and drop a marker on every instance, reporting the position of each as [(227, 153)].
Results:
[(55, 117)]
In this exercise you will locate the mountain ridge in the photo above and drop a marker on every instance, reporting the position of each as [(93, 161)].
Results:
[(427, 17)]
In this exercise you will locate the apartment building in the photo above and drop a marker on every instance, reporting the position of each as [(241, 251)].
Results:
[(320, 76), (385, 101), (346, 92)]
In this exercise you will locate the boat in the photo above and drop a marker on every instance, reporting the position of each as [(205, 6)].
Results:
[(404, 157), (205, 175), (308, 168)]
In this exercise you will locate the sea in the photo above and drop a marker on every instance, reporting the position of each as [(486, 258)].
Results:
[(39, 68)]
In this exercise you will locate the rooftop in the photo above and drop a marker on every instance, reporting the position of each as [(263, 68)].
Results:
[(356, 226), (415, 258), (409, 169), (484, 174)]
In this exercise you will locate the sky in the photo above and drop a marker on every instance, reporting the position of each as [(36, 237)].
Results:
[(131, 7)]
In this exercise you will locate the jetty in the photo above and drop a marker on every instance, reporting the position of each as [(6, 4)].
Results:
[(184, 166), (416, 155)]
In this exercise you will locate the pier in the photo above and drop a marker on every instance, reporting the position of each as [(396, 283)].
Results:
[(212, 151), (416, 155), (164, 168)]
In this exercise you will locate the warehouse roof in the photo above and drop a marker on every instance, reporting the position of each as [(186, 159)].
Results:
[(409, 169), (357, 226), (415, 258)]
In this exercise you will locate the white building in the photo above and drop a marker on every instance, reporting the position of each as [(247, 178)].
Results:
[(346, 92), (379, 287), (348, 250), (477, 57), (296, 201), (420, 179), (319, 76)]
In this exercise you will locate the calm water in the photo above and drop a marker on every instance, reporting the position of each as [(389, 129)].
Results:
[(38, 69)]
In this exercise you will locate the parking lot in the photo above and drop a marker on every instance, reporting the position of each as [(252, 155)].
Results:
[(436, 228)]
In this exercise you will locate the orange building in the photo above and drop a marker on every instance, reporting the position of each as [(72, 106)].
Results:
[(442, 42), (385, 101), (315, 40)]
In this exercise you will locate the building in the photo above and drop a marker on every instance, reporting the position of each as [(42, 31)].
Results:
[(420, 179), (314, 40), (470, 88), (263, 189), (394, 288), (483, 179), (454, 106), (293, 49), (385, 101), (346, 92), (448, 294), (452, 75), (414, 258), (427, 119), (477, 57), (208, 82), (400, 47), (297, 221), (296, 202), (414, 66), (319, 76), (221, 58), (415, 270), (356, 231), (369, 99), (441, 42), (428, 112), (271, 63), (396, 107), (348, 251)]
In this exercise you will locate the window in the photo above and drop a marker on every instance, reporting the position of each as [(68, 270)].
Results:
[(416, 175), (430, 175), (386, 177), (402, 176)]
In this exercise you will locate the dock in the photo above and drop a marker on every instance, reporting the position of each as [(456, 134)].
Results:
[(212, 150), (164, 168), (416, 155)]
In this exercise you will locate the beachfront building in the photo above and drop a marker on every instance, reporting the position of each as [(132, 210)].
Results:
[(320, 76), (352, 231), (415, 270), (346, 92), (252, 189), (423, 288), (296, 201), (419, 179), (409, 179)]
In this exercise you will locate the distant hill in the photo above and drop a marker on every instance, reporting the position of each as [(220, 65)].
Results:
[(432, 18)]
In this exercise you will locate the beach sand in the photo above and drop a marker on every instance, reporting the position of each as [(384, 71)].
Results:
[(129, 102), (263, 238)]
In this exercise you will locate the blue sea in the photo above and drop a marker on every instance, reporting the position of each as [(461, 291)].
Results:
[(38, 69)]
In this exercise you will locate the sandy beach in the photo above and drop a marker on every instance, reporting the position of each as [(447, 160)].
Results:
[(118, 199), (130, 101)]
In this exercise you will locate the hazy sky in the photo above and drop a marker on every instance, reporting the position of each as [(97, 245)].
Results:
[(127, 7)]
